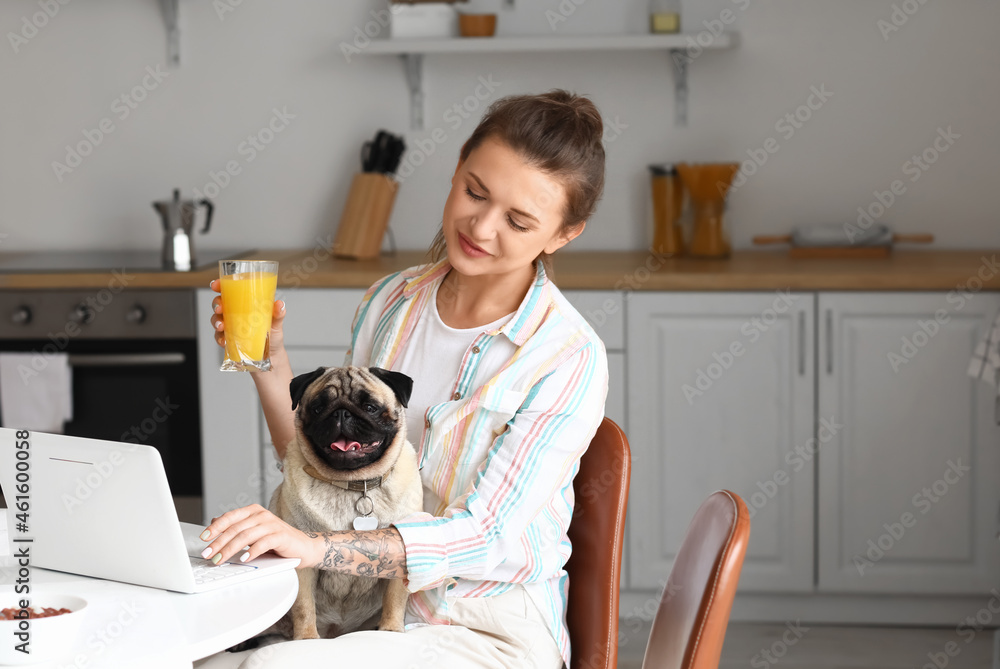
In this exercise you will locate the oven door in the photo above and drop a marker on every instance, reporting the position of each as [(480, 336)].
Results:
[(144, 392)]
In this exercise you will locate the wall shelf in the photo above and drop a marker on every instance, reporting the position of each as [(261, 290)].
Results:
[(412, 52)]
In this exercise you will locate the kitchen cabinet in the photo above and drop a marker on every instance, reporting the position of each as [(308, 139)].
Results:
[(909, 476), (903, 445), (721, 392)]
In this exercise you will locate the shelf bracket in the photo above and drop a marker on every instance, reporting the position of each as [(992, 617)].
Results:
[(170, 12), (680, 60), (413, 63)]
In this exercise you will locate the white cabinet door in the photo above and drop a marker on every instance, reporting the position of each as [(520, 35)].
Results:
[(721, 396), (909, 483)]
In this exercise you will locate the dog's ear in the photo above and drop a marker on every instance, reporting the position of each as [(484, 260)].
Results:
[(299, 384), (401, 384)]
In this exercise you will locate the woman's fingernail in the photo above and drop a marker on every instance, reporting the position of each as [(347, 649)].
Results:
[(216, 558), (218, 309), (206, 534), (211, 284), (282, 307), (244, 557), (205, 553)]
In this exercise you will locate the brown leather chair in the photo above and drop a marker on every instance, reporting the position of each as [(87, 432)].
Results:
[(596, 533), (690, 624)]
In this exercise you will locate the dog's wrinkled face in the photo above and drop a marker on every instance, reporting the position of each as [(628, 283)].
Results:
[(350, 416)]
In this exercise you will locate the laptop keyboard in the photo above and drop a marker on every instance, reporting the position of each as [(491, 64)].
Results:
[(206, 572)]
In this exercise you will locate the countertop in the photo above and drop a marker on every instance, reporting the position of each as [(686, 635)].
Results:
[(602, 270)]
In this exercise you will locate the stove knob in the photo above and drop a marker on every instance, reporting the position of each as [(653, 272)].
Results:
[(22, 316), (82, 314), (137, 314)]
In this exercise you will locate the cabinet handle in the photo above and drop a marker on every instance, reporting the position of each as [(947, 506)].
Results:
[(802, 343), (829, 341)]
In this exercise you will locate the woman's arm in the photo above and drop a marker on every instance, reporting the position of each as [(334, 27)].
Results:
[(375, 553), (272, 387), (276, 400)]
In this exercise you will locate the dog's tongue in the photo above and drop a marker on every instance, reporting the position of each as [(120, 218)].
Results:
[(344, 445)]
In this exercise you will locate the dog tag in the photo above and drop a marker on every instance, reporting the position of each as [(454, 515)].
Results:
[(362, 523)]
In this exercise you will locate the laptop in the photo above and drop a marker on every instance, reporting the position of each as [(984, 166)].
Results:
[(103, 509)]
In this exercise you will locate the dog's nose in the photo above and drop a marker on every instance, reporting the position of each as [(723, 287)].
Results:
[(341, 415)]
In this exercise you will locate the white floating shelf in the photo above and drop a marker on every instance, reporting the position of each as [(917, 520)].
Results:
[(544, 43), (682, 48)]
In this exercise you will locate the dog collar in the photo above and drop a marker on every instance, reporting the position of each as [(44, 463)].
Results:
[(354, 486)]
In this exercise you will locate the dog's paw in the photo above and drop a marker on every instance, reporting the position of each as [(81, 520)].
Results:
[(385, 626), (306, 634)]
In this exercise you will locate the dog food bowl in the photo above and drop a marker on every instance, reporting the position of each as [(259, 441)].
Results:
[(477, 25), (49, 638)]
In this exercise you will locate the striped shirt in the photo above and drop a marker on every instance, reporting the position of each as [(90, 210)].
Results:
[(498, 459)]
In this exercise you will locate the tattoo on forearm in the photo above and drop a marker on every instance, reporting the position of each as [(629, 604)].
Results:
[(375, 553)]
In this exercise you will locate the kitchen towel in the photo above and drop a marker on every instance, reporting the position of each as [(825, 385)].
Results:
[(36, 391), (985, 363)]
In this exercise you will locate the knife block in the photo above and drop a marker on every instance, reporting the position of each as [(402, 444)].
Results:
[(366, 216)]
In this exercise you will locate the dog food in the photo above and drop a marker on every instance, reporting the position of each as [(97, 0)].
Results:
[(46, 612)]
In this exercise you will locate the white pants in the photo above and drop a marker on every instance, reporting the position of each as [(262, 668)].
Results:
[(494, 632)]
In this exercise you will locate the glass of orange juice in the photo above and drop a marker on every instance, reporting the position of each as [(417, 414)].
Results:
[(248, 288)]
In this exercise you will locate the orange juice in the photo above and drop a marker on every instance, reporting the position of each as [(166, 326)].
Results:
[(247, 304)]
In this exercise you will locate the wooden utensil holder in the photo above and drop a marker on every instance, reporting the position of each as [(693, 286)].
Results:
[(366, 216)]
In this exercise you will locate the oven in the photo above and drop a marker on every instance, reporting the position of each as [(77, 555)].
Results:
[(134, 369)]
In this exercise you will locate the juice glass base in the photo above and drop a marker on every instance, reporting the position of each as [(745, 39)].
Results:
[(246, 365)]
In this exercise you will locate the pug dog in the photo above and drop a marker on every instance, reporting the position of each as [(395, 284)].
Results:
[(349, 467)]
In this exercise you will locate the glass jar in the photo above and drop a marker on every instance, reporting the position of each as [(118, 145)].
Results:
[(668, 201), (664, 16)]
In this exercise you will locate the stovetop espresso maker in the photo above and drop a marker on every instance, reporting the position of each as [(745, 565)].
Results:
[(178, 229)]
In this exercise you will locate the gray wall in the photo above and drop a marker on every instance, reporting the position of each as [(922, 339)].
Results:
[(890, 95)]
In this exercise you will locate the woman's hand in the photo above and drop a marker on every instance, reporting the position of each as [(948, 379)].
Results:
[(262, 531), (277, 337)]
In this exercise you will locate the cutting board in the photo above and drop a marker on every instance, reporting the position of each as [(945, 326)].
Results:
[(879, 251)]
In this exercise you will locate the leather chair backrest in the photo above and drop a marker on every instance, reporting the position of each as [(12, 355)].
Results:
[(690, 624), (596, 533)]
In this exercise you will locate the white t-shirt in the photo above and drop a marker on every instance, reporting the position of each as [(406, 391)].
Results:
[(432, 357)]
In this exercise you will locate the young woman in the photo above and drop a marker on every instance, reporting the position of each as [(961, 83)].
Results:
[(509, 388)]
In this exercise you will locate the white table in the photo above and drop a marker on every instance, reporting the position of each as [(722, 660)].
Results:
[(132, 626)]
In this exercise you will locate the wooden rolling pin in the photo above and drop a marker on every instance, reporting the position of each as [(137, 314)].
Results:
[(896, 239)]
